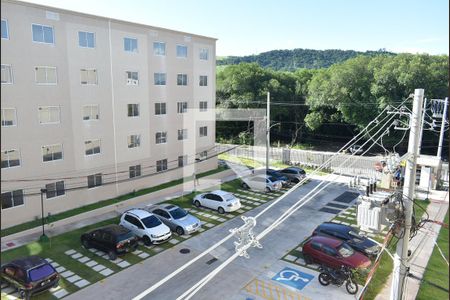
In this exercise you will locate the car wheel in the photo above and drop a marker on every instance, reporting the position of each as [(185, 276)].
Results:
[(147, 241), (112, 255), (86, 244), (324, 279), (179, 231), (221, 210), (245, 186), (267, 190), (197, 203), (308, 260)]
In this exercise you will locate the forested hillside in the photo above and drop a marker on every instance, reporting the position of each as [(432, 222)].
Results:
[(290, 60)]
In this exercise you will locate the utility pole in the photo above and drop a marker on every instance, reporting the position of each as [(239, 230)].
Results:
[(267, 132), (400, 260), (422, 123), (441, 135)]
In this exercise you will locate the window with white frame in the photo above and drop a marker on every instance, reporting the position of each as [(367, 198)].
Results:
[(203, 131), (160, 108), (203, 80), (91, 112), (159, 78), (204, 53), (10, 158), (203, 105), (43, 34), (86, 39), (182, 134), (203, 154), (8, 117), (182, 160), (12, 199), (135, 171), (159, 48), (49, 114), (92, 147), (133, 110), (161, 137), (88, 76), (181, 79), (55, 189), (5, 29), (130, 44), (132, 78), (182, 51), (6, 75), (134, 141), (94, 180), (182, 107), (161, 165), (52, 152), (45, 75)]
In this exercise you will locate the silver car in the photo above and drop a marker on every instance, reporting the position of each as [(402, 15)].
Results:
[(178, 220)]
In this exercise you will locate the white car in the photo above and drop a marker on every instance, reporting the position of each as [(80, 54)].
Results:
[(262, 183), (218, 200), (146, 226)]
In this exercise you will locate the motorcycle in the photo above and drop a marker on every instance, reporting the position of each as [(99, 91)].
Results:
[(338, 277)]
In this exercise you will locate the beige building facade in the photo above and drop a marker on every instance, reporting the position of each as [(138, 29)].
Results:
[(93, 108)]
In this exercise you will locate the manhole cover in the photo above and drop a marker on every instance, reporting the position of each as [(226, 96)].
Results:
[(185, 251)]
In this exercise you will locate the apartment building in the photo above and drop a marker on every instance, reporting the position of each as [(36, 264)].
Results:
[(93, 108)]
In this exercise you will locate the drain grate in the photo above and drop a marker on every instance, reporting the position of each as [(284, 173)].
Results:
[(185, 251), (211, 261)]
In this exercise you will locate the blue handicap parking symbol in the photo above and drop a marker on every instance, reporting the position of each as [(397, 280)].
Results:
[(293, 278)]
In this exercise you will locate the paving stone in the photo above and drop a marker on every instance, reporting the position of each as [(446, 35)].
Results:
[(136, 252), (106, 272), (240, 211), (247, 207), (92, 250), (73, 278), (174, 241), (229, 216), (290, 257), (70, 252), (77, 255), (201, 230), (299, 249), (91, 263), (3, 285), (123, 264), (143, 255), (67, 274), (214, 217), (82, 283), (8, 290), (209, 225), (60, 269), (98, 268), (158, 249), (54, 264), (117, 260), (221, 220), (105, 256), (83, 259), (300, 261), (60, 293)]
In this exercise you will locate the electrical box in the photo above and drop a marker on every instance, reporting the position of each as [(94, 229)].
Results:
[(371, 211)]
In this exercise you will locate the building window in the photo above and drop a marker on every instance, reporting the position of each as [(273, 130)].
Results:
[(12, 199), (160, 108), (92, 147), (45, 75), (88, 76), (130, 44), (94, 180), (182, 160), (182, 134), (159, 48), (42, 34), (10, 158), (161, 137), (8, 117), (135, 171), (203, 105), (6, 76), (49, 114), (181, 51), (5, 30), (133, 110), (203, 80), (203, 131), (181, 79), (52, 152), (91, 112), (204, 53), (161, 165), (86, 39), (203, 154), (132, 78), (160, 78), (182, 107), (134, 141), (55, 189)]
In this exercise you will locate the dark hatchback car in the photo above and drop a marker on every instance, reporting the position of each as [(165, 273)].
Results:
[(112, 239), (294, 174), (333, 253), (30, 275), (350, 236)]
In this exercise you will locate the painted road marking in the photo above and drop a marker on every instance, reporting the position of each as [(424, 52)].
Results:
[(269, 291), (293, 278)]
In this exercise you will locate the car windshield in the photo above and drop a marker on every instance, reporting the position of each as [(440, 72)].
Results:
[(41, 272), (178, 213), (356, 237), (228, 197), (151, 222), (124, 236), (272, 178), (345, 250)]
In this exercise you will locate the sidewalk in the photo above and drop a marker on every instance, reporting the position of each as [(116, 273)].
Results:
[(111, 211)]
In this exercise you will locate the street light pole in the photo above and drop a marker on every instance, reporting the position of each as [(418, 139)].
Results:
[(267, 132), (43, 236)]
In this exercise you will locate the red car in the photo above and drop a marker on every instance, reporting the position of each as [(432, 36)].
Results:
[(333, 253)]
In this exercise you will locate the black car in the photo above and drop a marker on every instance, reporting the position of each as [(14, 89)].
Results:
[(278, 176), (350, 236), (112, 239), (30, 275), (294, 174)]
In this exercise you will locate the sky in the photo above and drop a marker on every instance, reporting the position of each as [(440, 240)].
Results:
[(245, 27)]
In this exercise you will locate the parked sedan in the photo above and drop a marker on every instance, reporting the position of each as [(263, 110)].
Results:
[(294, 174), (349, 235), (30, 275), (176, 218), (218, 200), (333, 253), (262, 183), (276, 174)]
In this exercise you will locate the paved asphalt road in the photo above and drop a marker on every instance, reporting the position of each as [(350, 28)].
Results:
[(229, 283)]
